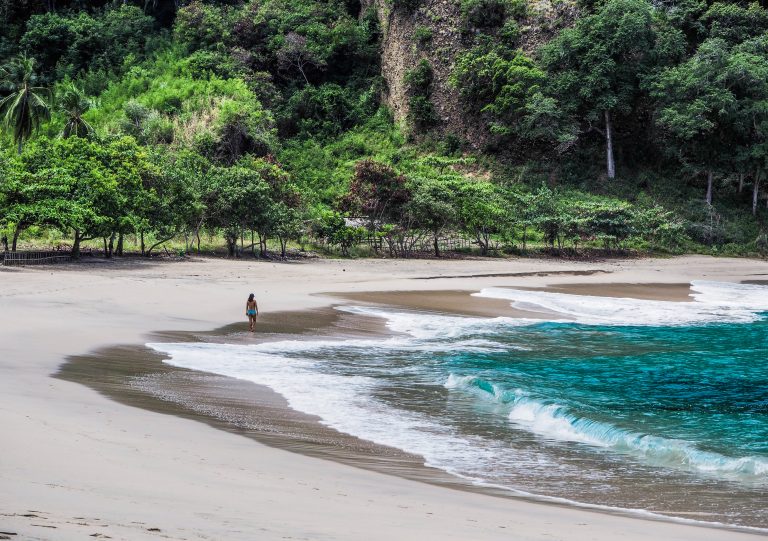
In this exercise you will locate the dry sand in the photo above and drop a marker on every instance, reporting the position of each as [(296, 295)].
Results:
[(75, 464)]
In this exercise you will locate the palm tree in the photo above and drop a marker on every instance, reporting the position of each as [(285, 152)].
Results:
[(74, 103), (26, 106)]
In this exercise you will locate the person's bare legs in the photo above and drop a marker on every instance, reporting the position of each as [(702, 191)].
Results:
[(251, 323)]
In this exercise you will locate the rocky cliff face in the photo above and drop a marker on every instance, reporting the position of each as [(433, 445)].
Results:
[(402, 49)]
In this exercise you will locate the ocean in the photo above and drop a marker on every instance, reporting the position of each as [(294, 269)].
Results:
[(652, 407)]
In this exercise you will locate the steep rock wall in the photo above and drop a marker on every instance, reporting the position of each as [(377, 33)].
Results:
[(401, 51)]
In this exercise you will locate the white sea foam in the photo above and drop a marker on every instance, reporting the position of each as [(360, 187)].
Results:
[(343, 402), (427, 326), (552, 421), (713, 302)]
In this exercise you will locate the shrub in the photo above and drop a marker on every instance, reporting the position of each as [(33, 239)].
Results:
[(202, 26), (419, 79), (68, 44), (483, 13), (422, 35), (421, 112), (761, 243)]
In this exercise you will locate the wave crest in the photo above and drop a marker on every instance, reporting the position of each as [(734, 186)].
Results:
[(553, 421)]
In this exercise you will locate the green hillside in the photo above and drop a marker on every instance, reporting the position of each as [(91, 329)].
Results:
[(397, 127)]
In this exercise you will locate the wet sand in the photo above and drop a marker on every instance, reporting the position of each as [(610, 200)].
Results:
[(441, 301), (137, 376), (463, 303), (648, 292)]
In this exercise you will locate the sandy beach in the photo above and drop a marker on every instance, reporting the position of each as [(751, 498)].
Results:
[(76, 463)]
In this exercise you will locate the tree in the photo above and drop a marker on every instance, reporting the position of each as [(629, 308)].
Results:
[(288, 224), (499, 82), (433, 206), (748, 73), (483, 212), (696, 108), (73, 103), (296, 53), (713, 108), (71, 43), (240, 201), (26, 105), (735, 23), (201, 25), (332, 226), (376, 192), (597, 66), (97, 186)]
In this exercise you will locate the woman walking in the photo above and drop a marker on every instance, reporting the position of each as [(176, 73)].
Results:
[(251, 310)]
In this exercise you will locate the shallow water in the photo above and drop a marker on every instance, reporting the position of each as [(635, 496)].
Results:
[(647, 405)]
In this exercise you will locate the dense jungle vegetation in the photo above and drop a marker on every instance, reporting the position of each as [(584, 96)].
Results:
[(259, 126)]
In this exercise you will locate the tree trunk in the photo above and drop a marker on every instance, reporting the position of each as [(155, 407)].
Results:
[(4, 240), (482, 242), (436, 245), (76, 245), (142, 243), (609, 146), (158, 243), (741, 182), (111, 246), (197, 231), (262, 245), (253, 243), (710, 177), (106, 253), (230, 237), (120, 244), (755, 192), (16, 233)]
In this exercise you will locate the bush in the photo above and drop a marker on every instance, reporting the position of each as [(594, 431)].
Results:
[(332, 227), (421, 112), (761, 243), (68, 44), (419, 79), (324, 111), (422, 35), (202, 26), (483, 14)]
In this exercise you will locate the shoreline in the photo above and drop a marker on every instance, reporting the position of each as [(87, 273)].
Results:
[(137, 375), (262, 413), (555, 509)]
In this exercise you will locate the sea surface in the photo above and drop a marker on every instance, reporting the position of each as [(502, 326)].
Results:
[(647, 406)]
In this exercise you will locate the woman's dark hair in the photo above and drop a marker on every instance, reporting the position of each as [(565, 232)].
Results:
[(250, 297)]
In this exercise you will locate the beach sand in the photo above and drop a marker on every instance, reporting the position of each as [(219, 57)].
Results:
[(76, 463)]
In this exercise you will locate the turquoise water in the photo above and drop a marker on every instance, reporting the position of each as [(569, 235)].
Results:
[(657, 407), (706, 385), (693, 398)]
